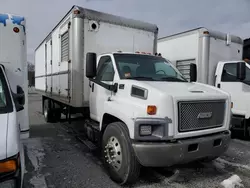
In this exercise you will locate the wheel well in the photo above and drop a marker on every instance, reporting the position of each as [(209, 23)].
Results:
[(107, 119)]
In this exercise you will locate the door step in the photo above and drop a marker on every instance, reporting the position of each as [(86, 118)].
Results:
[(91, 146)]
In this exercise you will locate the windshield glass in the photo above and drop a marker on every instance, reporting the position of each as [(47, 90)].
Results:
[(145, 67)]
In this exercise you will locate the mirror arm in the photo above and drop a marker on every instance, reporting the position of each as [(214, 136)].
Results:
[(106, 86)]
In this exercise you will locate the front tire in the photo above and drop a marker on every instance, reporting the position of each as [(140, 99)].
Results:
[(118, 154)]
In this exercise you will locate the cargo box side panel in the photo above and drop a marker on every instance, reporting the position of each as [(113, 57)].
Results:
[(64, 73), (48, 56), (55, 62), (181, 51), (40, 73), (57, 58), (107, 37)]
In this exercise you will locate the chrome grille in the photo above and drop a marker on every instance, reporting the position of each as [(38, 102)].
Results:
[(200, 115)]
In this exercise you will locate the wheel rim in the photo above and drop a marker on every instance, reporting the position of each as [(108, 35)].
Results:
[(113, 153)]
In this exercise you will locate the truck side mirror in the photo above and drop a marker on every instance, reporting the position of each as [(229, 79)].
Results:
[(193, 72), (241, 70), (90, 65), (20, 95)]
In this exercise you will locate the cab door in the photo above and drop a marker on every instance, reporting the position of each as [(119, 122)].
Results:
[(98, 94), (226, 79)]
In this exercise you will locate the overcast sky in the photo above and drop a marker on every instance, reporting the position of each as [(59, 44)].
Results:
[(171, 16)]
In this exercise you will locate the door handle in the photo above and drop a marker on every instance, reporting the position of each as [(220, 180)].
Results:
[(92, 87), (218, 85)]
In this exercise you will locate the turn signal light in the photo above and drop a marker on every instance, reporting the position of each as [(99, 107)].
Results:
[(8, 166), (151, 110)]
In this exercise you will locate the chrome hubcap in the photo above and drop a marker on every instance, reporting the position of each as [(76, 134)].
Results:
[(113, 153)]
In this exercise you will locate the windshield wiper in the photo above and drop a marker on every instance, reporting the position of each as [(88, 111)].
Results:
[(173, 79), (141, 78)]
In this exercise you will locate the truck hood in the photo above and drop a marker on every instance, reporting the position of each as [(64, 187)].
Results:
[(185, 89), (3, 135)]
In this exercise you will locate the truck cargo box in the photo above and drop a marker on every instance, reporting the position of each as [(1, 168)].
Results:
[(60, 58), (203, 47)]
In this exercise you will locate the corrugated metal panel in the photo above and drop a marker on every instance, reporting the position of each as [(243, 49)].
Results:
[(184, 67), (65, 46)]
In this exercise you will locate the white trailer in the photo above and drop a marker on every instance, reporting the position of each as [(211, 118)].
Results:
[(135, 103), (218, 58), (13, 99)]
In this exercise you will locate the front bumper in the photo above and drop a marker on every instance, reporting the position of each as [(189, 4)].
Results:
[(183, 151)]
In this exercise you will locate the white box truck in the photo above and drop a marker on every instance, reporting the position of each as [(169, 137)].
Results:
[(13, 99), (100, 65), (218, 58)]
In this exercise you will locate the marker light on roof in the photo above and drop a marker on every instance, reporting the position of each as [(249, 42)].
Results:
[(16, 30), (148, 53), (76, 11)]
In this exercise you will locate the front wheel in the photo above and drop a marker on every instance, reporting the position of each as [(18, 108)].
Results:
[(118, 154)]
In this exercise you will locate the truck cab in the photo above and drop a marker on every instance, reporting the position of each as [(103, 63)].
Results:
[(11, 153), (148, 114), (218, 60), (234, 78), (13, 99)]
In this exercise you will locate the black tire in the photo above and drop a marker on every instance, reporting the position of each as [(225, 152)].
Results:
[(57, 115), (47, 111), (18, 181), (129, 170)]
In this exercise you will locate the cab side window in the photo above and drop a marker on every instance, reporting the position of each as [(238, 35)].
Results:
[(229, 73), (105, 69)]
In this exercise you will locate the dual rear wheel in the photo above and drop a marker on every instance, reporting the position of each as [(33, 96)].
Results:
[(50, 111)]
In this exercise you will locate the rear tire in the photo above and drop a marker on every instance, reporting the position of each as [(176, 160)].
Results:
[(47, 111), (118, 154)]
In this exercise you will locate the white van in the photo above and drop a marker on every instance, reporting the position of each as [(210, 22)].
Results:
[(13, 99)]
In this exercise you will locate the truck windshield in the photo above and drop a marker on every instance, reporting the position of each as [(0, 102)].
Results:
[(5, 99), (146, 67)]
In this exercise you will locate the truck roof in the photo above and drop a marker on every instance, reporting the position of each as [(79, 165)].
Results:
[(217, 34), (7, 19), (105, 17), (120, 52)]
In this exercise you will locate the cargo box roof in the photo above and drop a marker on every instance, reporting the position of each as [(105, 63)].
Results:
[(108, 18)]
